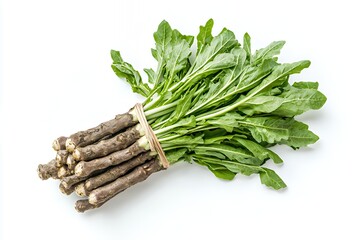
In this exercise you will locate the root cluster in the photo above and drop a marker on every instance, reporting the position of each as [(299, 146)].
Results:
[(101, 162)]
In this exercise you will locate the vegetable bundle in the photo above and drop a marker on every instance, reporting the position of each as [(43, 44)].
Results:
[(222, 107)]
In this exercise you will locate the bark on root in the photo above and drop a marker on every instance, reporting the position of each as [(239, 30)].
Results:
[(84, 138), (80, 190), (61, 157), (72, 180), (116, 172), (139, 174), (86, 168), (59, 143), (105, 147), (49, 170), (84, 205), (64, 171), (70, 162), (65, 190)]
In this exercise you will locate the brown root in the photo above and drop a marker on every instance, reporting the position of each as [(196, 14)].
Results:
[(105, 147), (84, 205), (70, 162), (61, 157), (72, 180), (63, 172), (84, 138), (86, 168), (116, 172), (80, 190), (139, 174), (49, 170), (65, 190), (59, 143)]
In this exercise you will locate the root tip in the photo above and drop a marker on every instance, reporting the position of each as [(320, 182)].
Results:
[(92, 199), (76, 154), (79, 169), (70, 145), (56, 145), (80, 190), (41, 173)]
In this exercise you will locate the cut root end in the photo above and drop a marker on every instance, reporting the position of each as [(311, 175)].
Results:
[(76, 154), (80, 190), (56, 145), (70, 145)]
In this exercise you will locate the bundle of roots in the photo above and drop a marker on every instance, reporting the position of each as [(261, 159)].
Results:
[(101, 162)]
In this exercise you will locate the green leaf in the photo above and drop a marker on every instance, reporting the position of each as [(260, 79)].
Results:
[(204, 153), (277, 77), (162, 39), (268, 52), (253, 75), (235, 167), (219, 44), (238, 154), (267, 129), (204, 37), (172, 52), (217, 132), (115, 56), (247, 45), (306, 85), (259, 151), (218, 170), (177, 37), (271, 179), (229, 121), (223, 173), (218, 139), (261, 104), (176, 59), (125, 70), (186, 122), (151, 75), (267, 176), (299, 135), (175, 155), (221, 61), (297, 101)]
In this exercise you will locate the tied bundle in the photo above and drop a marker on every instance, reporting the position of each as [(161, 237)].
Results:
[(222, 107)]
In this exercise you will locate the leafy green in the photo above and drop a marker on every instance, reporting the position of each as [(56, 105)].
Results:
[(222, 106), (299, 100), (125, 70), (236, 154), (270, 51), (218, 170), (258, 151), (306, 85), (299, 135), (247, 46), (175, 155), (267, 176), (271, 179), (204, 37)]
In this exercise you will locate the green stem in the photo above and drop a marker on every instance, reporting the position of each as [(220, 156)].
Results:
[(150, 113)]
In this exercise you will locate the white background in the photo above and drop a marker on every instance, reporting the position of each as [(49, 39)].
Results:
[(56, 79)]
